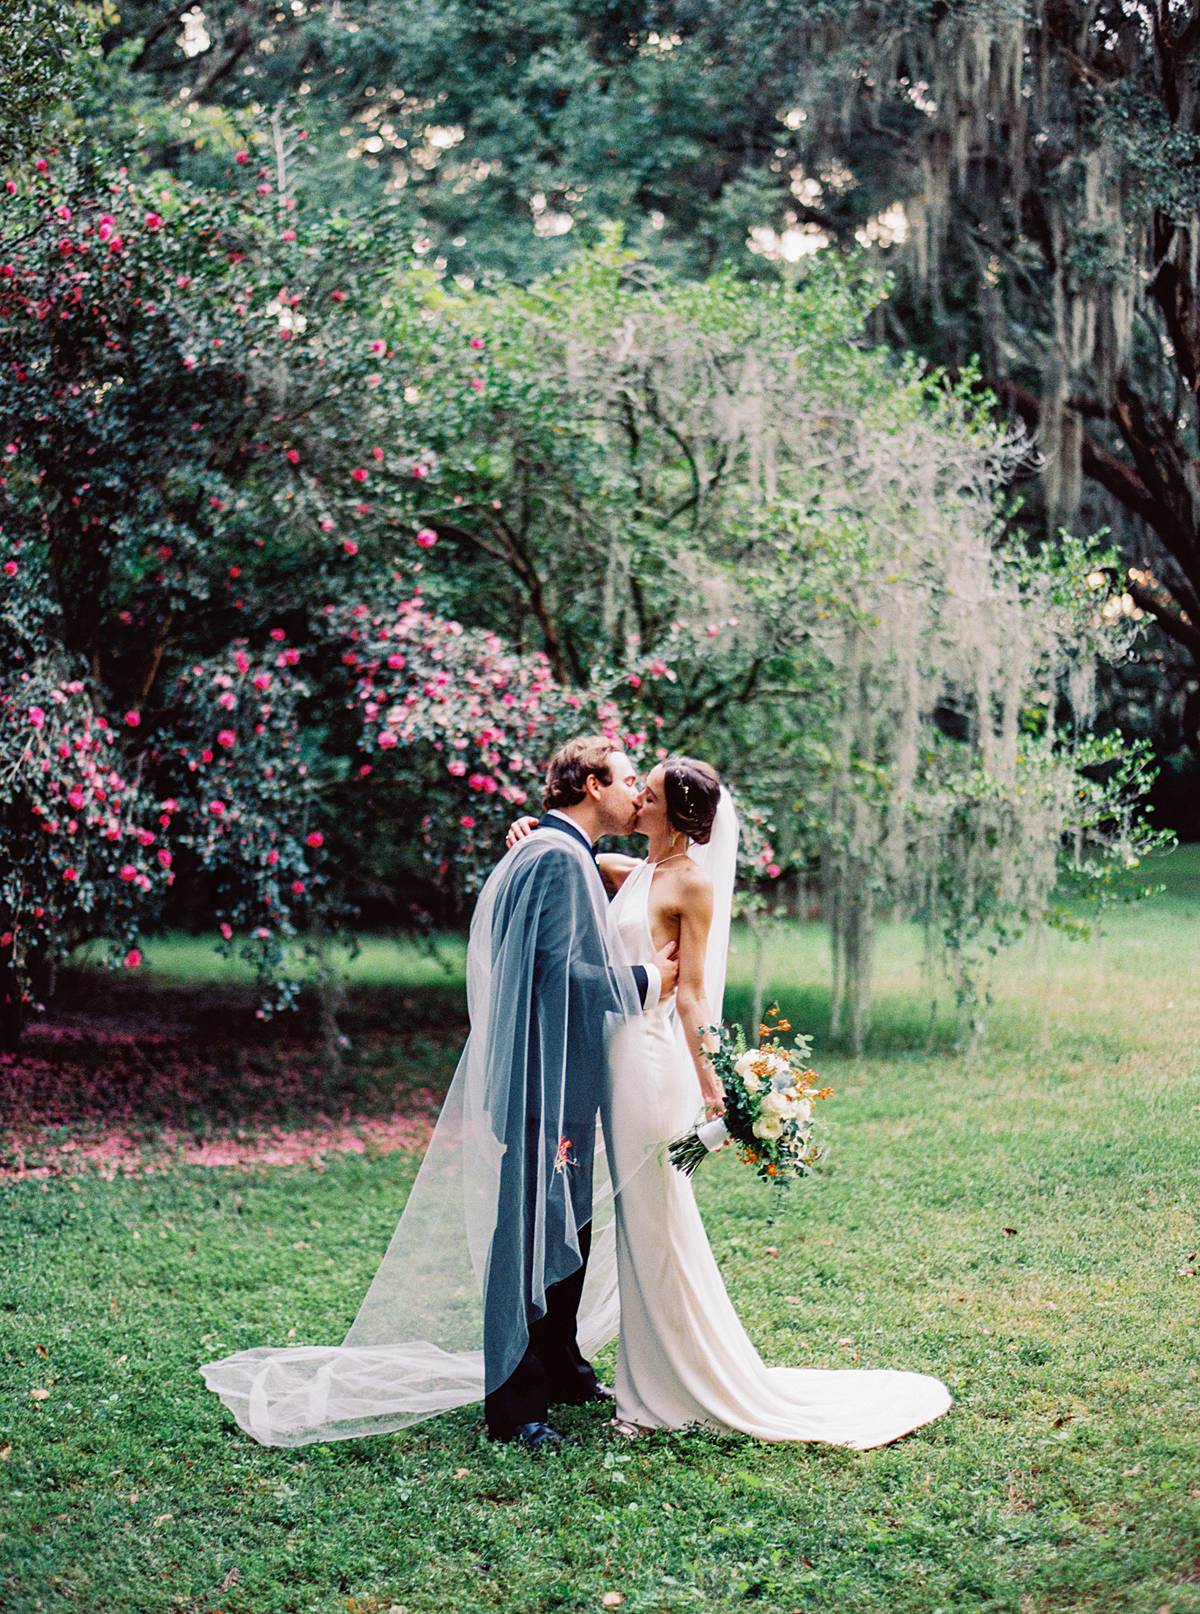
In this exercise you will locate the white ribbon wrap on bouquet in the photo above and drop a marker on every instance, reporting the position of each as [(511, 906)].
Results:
[(713, 1134)]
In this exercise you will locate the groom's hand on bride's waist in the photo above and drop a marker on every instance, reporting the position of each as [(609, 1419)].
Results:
[(666, 960)]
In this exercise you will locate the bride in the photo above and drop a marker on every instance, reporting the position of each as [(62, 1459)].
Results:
[(683, 1355)]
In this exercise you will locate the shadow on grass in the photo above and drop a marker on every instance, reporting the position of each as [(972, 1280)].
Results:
[(116, 1051)]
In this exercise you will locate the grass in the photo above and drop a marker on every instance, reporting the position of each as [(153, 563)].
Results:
[(1023, 1223)]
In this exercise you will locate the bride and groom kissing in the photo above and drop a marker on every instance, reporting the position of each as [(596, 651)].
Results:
[(546, 1217)]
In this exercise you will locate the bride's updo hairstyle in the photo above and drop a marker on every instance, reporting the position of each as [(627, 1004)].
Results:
[(692, 790)]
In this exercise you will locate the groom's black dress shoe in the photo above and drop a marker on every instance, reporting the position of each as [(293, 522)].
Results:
[(535, 1436)]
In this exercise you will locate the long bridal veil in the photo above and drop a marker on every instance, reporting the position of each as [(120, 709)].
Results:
[(416, 1346), (718, 859)]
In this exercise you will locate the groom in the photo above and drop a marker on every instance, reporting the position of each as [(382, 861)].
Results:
[(573, 990)]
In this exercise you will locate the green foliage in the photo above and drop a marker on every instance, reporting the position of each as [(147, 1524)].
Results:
[(43, 57)]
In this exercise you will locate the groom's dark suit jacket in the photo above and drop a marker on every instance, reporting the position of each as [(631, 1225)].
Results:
[(571, 967)]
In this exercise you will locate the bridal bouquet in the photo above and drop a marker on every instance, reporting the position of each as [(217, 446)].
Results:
[(769, 1097)]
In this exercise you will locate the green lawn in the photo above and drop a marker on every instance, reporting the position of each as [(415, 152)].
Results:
[(1023, 1224)]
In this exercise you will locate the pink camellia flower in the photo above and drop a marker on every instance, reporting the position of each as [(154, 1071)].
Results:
[(387, 740), (64, 213), (42, 165), (132, 959), (457, 768), (420, 471), (70, 874), (133, 719), (226, 931), (293, 456), (378, 347), (189, 361), (634, 681), (277, 634), (164, 857), (10, 185), (10, 449), (476, 383), (350, 546), (337, 296), (376, 453), (272, 857), (153, 221), (314, 839), (226, 738), (262, 680), (467, 821), (242, 661), (287, 235), (128, 872), (326, 523), (773, 871), (358, 474), (426, 538), (76, 798), (216, 808), (475, 782), (242, 157), (10, 568), (6, 271), (477, 343)]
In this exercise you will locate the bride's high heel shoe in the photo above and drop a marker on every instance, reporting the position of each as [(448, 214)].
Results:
[(631, 1431)]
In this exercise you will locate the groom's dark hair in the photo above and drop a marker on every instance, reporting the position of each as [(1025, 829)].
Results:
[(570, 766)]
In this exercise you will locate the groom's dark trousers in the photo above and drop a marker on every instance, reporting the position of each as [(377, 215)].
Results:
[(551, 1368)]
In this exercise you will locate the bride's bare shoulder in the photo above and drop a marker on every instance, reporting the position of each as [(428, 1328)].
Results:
[(693, 888)]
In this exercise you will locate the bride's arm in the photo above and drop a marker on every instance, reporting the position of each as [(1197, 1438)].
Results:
[(691, 1002), (614, 866)]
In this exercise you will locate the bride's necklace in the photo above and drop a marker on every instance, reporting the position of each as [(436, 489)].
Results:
[(662, 860)]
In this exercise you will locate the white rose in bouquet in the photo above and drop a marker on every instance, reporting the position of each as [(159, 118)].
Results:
[(801, 1110), (745, 1069), (768, 1125), (777, 1104)]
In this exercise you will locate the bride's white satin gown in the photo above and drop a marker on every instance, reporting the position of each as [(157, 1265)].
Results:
[(683, 1355)]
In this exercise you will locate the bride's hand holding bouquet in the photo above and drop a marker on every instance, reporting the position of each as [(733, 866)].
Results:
[(765, 1105)]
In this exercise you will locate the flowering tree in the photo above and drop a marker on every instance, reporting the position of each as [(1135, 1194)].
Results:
[(195, 410), (309, 568)]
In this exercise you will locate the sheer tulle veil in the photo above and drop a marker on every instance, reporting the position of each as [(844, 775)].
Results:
[(718, 859), (415, 1348)]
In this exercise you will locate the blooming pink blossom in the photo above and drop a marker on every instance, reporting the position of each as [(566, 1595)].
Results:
[(426, 538), (132, 959)]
